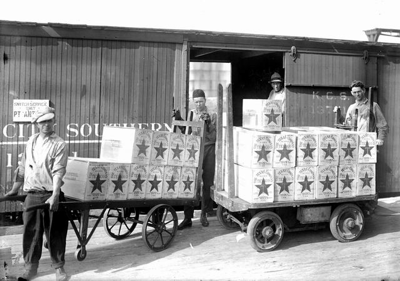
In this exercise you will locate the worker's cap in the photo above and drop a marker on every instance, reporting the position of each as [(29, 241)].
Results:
[(199, 93), (43, 114), (275, 77)]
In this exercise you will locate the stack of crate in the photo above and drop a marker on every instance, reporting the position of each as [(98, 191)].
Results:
[(300, 163), (136, 164)]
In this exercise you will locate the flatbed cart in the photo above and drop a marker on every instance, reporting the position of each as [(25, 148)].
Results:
[(266, 223), (120, 217)]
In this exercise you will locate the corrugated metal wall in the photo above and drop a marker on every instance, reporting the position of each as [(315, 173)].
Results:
[(90, 83), (389, 99)]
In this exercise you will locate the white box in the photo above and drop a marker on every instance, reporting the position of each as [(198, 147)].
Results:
[(86, 179), (255, 185), (348, 148), (366, 179), (284, 184), (119, 181), (347, 180), (284, 155), (307, 149), (126, 144), (262, 114), (305, 183), (176, 149), (138, 181), (192, 151), (187, 186), (367, 153), (253, 149), (327, 185), (172, 177), (159, 148), (329, 147), (154, 183)]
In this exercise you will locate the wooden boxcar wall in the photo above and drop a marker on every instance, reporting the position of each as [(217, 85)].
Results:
[(90, 83)]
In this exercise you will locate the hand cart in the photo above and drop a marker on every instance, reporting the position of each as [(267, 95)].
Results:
[(266, 223), (120, 217)]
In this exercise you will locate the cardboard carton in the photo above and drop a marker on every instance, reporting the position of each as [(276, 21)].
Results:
[(187, 185), (307, 149), (305, 183), (367, 152), (126, 144), (253, 149), (284, 182), (192, 151), (159, 148), (327, 185), (348, 148), (284, 155), (176, 149), (366, 179), (347, 181), (86, 179), (172, 177), (255, 185), (138, 181), (262, 114), (154, 183), (329, 147), (119, 181)]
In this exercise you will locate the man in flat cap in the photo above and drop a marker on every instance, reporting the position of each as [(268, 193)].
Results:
[(278, 92), (40, 172), (201, 113)]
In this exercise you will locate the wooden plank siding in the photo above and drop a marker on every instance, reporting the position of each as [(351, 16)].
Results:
[(388, 168), (90, 83)]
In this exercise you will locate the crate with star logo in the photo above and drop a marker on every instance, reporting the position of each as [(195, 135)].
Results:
[(176, 149), (366, 179), (253, 149), (328, 144), (367, 152), (348, 154), (327, 185), (192, 151), (307, 148), (284, 181), (172, 177), (187, 185), (126, 144), (137, 181), (347, 179), (255, 185), (86, 179), (154, 182), (305, 183), (159, 148), (262, 114), (284, 155), (119, 181)]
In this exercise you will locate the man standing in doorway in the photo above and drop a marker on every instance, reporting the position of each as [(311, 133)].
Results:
[(40, 172), (201, 113), (370, 116), (278, 92)]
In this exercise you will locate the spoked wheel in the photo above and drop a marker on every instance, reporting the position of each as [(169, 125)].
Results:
[(265, 231), (347, 222), (159, 227), (120, 222), (224, 218)]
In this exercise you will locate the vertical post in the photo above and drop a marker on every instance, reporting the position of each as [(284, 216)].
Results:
[(229, 147), (219, 145)]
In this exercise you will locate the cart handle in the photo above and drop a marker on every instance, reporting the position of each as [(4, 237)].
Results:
[(13, 198)]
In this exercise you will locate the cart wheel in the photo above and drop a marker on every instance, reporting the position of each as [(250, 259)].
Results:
[(159, 227), (80, 254), (120, 222), (224, 220), (347, 222), (265, 231)]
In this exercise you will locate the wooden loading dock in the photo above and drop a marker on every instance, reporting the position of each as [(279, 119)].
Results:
[(97, 75)]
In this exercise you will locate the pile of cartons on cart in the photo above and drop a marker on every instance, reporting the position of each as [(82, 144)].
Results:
[(136, 164), (283, 164)]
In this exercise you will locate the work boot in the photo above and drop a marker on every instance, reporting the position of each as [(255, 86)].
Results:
[(203, 220), (61, 275), (28, 274), (185, 223)]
